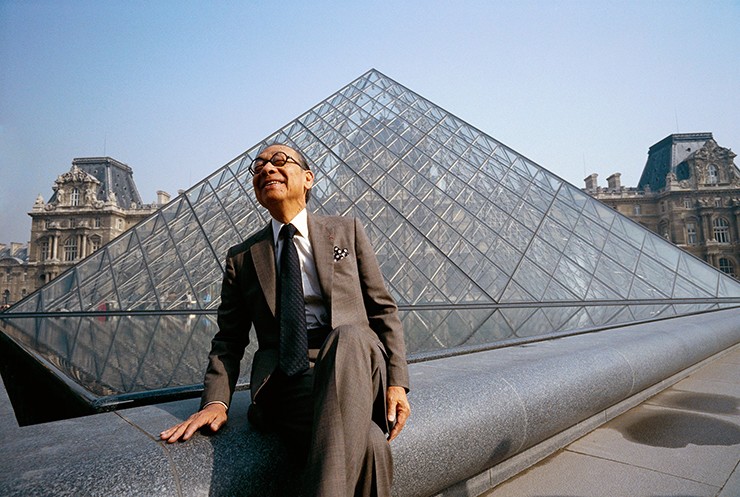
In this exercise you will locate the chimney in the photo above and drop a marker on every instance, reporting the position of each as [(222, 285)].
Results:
[(162, 197), (614, 182), (592, 182)]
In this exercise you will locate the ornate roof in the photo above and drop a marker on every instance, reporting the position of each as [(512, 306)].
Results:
[(665, 156), (114, 181)]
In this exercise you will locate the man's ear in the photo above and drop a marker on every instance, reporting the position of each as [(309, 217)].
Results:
[(309, 179)]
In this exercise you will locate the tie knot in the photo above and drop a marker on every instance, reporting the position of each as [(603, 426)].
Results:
[(288, 231)]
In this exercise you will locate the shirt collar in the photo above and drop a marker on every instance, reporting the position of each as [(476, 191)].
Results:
[(300, 221)]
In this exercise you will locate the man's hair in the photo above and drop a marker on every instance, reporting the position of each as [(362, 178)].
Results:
[(299, 158)]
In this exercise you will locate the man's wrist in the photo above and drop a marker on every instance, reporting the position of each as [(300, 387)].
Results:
[(216, 402)]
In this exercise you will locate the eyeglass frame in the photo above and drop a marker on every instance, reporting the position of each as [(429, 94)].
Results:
[(254, 172)]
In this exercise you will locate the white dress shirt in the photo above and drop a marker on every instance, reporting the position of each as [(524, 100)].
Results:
[(316, 312)]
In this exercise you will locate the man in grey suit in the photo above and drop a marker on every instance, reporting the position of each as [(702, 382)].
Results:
[(337, 385)]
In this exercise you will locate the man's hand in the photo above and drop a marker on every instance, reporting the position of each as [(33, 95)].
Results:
[(213, 415), (398, 409)]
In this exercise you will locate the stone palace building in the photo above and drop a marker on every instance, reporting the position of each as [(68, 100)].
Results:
[(91, 204), (689, 193)]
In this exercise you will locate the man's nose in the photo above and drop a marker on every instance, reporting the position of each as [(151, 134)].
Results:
[(269, 168)]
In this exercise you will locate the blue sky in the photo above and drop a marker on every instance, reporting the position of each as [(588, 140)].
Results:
[(176, 89)]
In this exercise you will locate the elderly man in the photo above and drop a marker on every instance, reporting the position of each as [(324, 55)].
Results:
[(330, 371)]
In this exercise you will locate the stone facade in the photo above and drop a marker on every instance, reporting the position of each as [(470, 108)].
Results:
[(93, 203), (689, 193), (15, 282)]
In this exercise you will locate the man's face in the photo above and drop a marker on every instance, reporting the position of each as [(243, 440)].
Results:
[(282, 187)]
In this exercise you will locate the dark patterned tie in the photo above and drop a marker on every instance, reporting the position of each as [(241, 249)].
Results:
[(293, 339)]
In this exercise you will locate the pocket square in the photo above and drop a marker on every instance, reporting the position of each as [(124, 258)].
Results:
[(339, 253)]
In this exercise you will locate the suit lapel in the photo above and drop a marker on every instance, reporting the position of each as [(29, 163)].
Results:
[(322, 243), (263, 255)]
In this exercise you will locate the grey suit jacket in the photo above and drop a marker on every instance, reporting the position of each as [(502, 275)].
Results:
[(352, 287)]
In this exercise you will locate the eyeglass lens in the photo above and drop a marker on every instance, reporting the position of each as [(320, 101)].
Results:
[(278, 159)]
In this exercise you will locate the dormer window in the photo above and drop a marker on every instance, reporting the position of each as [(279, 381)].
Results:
[(712, 177), (74, 198)]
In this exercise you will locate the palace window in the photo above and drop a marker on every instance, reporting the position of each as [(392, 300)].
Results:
[(712, 177), (687, 203), (726, 266), (70, 249), (721, 230), (44, 249), (637, 209), (74, 199), (97, 222), (94, 243), (718, 202)]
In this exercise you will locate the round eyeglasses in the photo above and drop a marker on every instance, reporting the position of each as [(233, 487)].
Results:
[(278, 159)]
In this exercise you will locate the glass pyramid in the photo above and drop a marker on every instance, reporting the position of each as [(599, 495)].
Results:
[(478, 245)]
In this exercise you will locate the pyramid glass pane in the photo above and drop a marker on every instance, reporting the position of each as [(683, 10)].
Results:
[(478, 245)]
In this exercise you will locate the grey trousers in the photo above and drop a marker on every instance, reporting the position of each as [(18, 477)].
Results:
[(335, 412)]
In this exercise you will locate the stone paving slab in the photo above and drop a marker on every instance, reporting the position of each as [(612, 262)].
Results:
[(724, 372), (732, 358), (691, 384), (568, 474), (684, 444), (732, 487)]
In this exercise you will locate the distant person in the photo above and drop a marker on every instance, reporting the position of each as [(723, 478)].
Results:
[(330, 371)]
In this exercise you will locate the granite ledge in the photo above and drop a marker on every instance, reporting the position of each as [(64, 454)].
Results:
[(470, 413)]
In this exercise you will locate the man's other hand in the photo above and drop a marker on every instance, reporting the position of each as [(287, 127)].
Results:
[(213, 415), (398, 409)]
